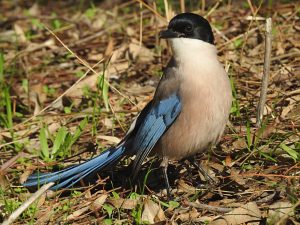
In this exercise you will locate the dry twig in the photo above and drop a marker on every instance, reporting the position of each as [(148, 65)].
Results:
[(265, 79), (209, 207), (27, 203)]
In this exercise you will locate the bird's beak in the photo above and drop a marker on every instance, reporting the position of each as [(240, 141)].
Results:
[(169, 34)]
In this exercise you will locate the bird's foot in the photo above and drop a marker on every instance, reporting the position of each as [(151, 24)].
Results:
[(164, 165)]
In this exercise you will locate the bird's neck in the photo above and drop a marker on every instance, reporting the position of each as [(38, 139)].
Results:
[(192, 51)]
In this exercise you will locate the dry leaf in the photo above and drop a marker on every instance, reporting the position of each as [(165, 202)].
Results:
[(140, 52), (123, 203), (37, 89), (228, 161), (278, 210), (108, 123), (216, 166), (138, 90), (24, 176), (96, 57), (3, 182), (20, 33), (182, 186), (34, 46), (109, 47), (239, 144), (111, 139), (152, 212), (34, 10), (115, 69), (248, 213), (78, 213), (287, 109), (53, 127), (89, 81), (99, 21), (34, 97), (235, 175), (98, 203), (41, 200), (189, 216)]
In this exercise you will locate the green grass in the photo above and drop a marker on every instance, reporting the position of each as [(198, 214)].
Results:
[(78, 125), (62, 141)]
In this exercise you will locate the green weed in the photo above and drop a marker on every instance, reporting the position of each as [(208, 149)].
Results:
[(62, 141)]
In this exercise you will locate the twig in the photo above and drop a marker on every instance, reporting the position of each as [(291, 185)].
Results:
[(141, 25), (27, 203), (94, 36), (209, 207), (287, 55), (11, 162), (266, 199), (213, 8), (265, 79), (152, 10), (182, 6), (167, 10), (253, 30)]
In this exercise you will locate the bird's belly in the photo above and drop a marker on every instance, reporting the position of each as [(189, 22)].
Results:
[(198, 127)]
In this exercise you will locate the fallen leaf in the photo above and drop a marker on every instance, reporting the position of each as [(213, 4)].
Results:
[(278, 210), (228, 161), (78, 213), (235, 175), (99, 21), (34, 10), (182, 186), (123, 203), (110, 47), (20, 33), (24, 176), (152, 212), (140, 52), (4, 183), (248, 213), (34, 97), (98, 203), (239, 144), (189, 216), (111, 139)]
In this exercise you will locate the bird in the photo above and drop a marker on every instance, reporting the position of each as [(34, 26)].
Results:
[(187, 114)]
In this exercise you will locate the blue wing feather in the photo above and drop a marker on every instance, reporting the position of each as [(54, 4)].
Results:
[(151, 124), (155, 124), (69, 176)]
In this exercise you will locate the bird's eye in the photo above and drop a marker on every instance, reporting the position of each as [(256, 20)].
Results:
[(188, 28)]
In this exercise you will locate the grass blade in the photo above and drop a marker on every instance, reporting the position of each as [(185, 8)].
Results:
[(44, 144)]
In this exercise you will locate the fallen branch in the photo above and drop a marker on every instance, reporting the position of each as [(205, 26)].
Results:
[(27, 203), (265, 79)]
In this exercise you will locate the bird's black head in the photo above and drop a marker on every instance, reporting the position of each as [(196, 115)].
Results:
[(189, 25)]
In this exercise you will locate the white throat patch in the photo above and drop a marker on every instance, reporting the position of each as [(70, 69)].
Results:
[(186, 49)]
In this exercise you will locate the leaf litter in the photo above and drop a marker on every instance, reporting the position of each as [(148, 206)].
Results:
[(256, 171)]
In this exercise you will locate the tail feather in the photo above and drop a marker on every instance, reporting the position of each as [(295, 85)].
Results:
[(69, 176)]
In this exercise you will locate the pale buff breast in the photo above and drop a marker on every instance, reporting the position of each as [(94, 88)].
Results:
[(206, 100)]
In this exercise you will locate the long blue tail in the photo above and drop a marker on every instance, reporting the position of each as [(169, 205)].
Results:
[(68, 177)]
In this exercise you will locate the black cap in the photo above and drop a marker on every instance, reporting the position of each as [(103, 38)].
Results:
[(189, 25)]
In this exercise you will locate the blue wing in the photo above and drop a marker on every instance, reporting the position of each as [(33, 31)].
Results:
[(158, 119)]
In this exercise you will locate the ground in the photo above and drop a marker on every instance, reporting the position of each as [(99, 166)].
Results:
[(74, 74)]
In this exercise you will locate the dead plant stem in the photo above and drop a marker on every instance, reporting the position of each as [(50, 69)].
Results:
[(265, 79)]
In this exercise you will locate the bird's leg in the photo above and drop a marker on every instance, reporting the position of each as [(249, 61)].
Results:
[(164, 165)]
